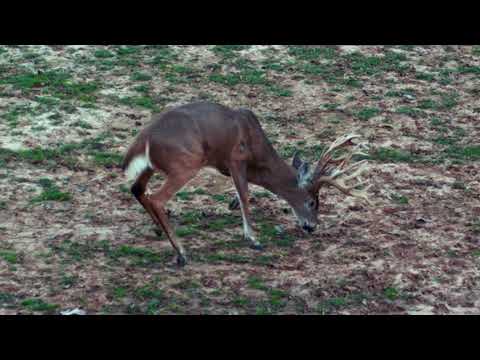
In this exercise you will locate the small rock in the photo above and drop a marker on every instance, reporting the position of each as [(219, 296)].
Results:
[(75, 311), (419, 222)]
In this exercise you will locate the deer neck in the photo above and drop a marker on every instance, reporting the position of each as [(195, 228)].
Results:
[(279, 178)]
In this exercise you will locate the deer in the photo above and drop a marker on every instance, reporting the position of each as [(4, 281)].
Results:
[(180, 141)]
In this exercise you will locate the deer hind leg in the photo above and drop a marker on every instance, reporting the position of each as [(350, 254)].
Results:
[(238, 172), (139, 191), (158, 201)]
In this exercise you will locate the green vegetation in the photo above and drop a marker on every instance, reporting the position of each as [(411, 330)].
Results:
[(35, 304), (140, 256), (103, 54), (392, 155), (50, 192), (391, 293), (399, 199), (66, 154), (9, 256), (367, 113), (53, 83), (228, 51)]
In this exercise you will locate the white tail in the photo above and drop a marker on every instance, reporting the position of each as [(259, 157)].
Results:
[(139, 164)]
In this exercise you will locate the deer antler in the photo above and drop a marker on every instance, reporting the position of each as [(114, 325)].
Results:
[(337, 171)]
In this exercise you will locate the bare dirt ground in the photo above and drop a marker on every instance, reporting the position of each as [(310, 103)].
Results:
[(72, 236)]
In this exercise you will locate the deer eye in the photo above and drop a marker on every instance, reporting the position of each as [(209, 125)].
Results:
[(311, 204)]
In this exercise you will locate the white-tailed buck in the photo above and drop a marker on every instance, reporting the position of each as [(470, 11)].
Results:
[(181, 141)]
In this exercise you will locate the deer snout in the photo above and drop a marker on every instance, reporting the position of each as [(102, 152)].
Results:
[(308, 227)]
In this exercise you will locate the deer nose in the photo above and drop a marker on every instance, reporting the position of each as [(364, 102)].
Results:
[(308, 228)]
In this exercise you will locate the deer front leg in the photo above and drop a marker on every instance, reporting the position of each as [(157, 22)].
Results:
[(238, 172), (235, 203)]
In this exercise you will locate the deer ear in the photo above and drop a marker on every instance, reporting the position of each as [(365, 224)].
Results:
[(296, 162), (303, 175)]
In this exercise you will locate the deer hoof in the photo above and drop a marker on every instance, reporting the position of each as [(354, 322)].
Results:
[(181, 261), (234, 204), (258, 247), (158, 232)]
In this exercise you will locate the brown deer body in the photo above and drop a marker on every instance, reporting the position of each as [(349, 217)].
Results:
[(183, 140)]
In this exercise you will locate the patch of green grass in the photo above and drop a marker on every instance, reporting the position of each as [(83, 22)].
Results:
[(255, 282), (12, 114), (119, 292), (228, 51), (164, 56), (79, 251), (185, 231), (66, 154), (107, 159), (459, 185), (56, 83), (49, 101), (9, 256), (367, 113), (188, 195), (327, 72), (279, 91), (82, 124), (191, 217), (329, 305), (442, 140), (6, 298), (29, 80), (409, 111), (468, 153), (139, 101), (220, 198), (362, 65), (269, 234), (449, 101), (309, 53), (391, 293), (241, 301), (424, 76), (140, 76), (148, 292), (265, 260), (145, 89), (127, 50), (103, 54), (50, 192), (469, 69), (392, 155), (68, 281), (427, 104), (223, 222), (140, 256), (399, 199), (250, 77), (36, 304), (277, 298)]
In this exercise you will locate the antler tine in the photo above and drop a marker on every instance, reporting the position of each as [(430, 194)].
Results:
[(333, 171), (326, 156)]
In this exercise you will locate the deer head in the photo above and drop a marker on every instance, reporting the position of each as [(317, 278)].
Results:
[(332, 171)]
